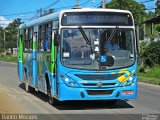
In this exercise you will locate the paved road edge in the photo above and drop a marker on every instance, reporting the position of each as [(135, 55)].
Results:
[(149, 85)]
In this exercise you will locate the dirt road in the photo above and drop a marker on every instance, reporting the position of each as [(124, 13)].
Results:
[(8, 103)]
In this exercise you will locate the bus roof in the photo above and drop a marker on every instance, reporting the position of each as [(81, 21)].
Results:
[(53, 16), (96, 9), (56, 15)]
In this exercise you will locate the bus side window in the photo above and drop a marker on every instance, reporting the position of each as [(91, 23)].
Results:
[(30, 37), (44, 37), (40, 38), (25, 43), (55, 28), (48, 37)]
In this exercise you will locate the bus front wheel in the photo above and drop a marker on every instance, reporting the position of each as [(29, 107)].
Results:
[(51, 99)]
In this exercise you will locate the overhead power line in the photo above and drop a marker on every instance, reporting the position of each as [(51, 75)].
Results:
[(85, 3), (97, 5), (31, 12), (71, 6), (14, 14), (54, 3), (12, 20), (19, 13)]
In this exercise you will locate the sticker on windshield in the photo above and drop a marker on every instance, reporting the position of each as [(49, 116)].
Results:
[(96, 42), (66, 54), (103, 58), (96, 49)]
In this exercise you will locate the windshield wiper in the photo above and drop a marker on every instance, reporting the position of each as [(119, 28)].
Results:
[(112, 34), (88, 41)]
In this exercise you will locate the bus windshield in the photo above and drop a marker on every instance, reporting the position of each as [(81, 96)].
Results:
[(77, 53)]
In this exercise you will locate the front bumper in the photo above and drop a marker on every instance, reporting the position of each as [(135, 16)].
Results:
[(71, 93)]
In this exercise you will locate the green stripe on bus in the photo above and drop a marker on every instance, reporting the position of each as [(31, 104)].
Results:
[(20, 54), (34, 45), (52, 57)]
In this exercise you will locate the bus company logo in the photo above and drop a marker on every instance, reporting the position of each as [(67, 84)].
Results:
[(99, 84)]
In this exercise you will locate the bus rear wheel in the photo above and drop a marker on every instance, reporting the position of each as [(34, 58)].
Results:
[(28, 88)]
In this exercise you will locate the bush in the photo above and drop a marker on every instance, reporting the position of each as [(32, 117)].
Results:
[(142, 69), (143, 46), (151, 54)]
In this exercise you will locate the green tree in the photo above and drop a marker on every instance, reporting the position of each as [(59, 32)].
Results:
[(1, 40), (158, 7), (151, 54), (138, 10), (151, 14), (11, 34)]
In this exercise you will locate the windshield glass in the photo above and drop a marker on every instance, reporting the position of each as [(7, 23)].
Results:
[(85, 49)]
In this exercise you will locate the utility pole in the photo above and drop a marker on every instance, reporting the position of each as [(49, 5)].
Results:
[(76, 6), (103, 3)]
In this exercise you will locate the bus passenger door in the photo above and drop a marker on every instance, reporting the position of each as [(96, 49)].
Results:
[(34, 56), (54, 63), (20, 56)]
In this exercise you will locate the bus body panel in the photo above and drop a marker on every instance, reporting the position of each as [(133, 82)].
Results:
[(34, 67), (42, 70), (67, 92), (20, 70), (30, 69), (20, 58)]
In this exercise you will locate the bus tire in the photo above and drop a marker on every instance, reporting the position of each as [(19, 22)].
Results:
[(51, 100), (28, 88)]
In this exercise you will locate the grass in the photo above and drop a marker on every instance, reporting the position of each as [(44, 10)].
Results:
[(8, 58), (152, 75)]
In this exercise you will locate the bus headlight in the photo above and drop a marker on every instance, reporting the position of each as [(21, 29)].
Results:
[(72, 83), (69, 82), (66, 79), (128, 82)]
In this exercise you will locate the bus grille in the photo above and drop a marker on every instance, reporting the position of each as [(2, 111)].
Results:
[(99, 92), (98, 77), (95, 84)]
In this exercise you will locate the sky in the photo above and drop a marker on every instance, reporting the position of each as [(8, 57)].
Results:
[(27, 9)]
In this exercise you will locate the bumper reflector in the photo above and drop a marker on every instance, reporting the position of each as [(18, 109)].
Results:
[(127, 92)]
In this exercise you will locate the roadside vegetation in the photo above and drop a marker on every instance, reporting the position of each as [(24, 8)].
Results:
[(149, 62), (8, 58), (151, 75)]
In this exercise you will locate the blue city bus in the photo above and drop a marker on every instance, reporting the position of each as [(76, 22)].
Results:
[(80, 54)]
